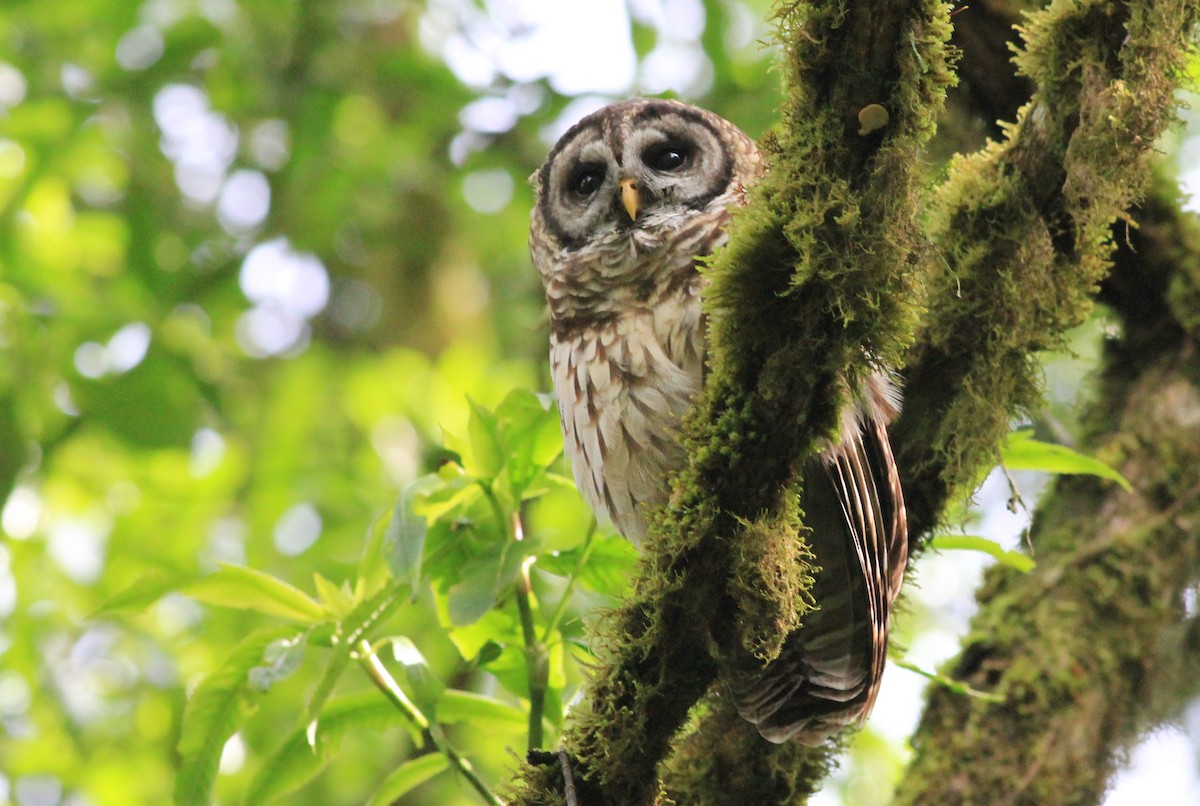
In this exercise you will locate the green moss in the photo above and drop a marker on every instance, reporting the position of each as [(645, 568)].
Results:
[(1075, 647), (769, 581), (723, 760), (1024, 231)]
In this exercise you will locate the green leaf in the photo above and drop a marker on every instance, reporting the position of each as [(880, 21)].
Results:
[(245, 588), (486, 448), (280, 659), (487, 653), (450, 469), (482, 580), (407, 777), (474, 596), (213, 713), (337, 601), (425, 686), (373, 568), (310, 721), (354, 628), (558, 480), (607, 568), (497, 627), (456, 493), (406, 531), (479, 710), (298, 760), (1013, 559), (531, 438), (145, 592), (552, 708), (1022, 452), (370, 613), (511, 667)]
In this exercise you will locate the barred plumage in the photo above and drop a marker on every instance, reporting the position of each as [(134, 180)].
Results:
[(628, 200)]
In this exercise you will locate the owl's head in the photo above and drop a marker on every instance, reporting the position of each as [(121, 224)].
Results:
[(639, 165)]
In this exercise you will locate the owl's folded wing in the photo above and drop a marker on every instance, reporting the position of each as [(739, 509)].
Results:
[(827, 674)]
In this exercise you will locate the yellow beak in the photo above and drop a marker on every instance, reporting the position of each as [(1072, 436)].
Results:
[(629, 197)]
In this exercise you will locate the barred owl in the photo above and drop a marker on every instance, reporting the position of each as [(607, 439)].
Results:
[(627, 202)]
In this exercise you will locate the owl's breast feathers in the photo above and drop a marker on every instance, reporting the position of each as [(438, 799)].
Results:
[(626, 353)]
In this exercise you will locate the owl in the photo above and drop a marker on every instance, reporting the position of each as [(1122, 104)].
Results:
[(629, 200)]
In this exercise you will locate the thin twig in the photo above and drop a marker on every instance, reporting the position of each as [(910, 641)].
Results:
[(536, 665), (431, 735), (585, 552), (1015, 501), (564, 759)]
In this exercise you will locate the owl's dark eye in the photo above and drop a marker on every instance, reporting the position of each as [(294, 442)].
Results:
[(667, 156), (586, 180)]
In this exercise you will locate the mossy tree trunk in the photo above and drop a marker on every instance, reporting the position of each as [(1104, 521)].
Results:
[(1097, 644), (827, 267)]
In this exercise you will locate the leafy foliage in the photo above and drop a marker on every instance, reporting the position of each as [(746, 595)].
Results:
[(248, 294), (1023, 452), (469, 517), (214, 712)]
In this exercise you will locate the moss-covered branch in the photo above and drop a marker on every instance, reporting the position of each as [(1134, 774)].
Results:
[(724, 760), (1023, 231), (1094, 645), (824, 273)]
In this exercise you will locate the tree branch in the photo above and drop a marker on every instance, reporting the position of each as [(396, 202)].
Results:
[(822, 272), (1023, 229), (1093, 646)]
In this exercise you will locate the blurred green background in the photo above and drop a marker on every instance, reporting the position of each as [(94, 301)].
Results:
[(254, 260)]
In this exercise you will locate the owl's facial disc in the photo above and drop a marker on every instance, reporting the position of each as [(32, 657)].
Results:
[(630, 166)]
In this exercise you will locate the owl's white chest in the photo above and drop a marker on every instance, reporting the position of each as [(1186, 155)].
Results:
[(623, 387)]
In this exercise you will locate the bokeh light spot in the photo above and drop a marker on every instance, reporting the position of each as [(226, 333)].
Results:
[(297, 529), (12, 85), (21, 513), (140, 48), (244, 201), (12, 159), (488, 191)]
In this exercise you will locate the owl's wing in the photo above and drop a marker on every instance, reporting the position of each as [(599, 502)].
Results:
[(828, 672)]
